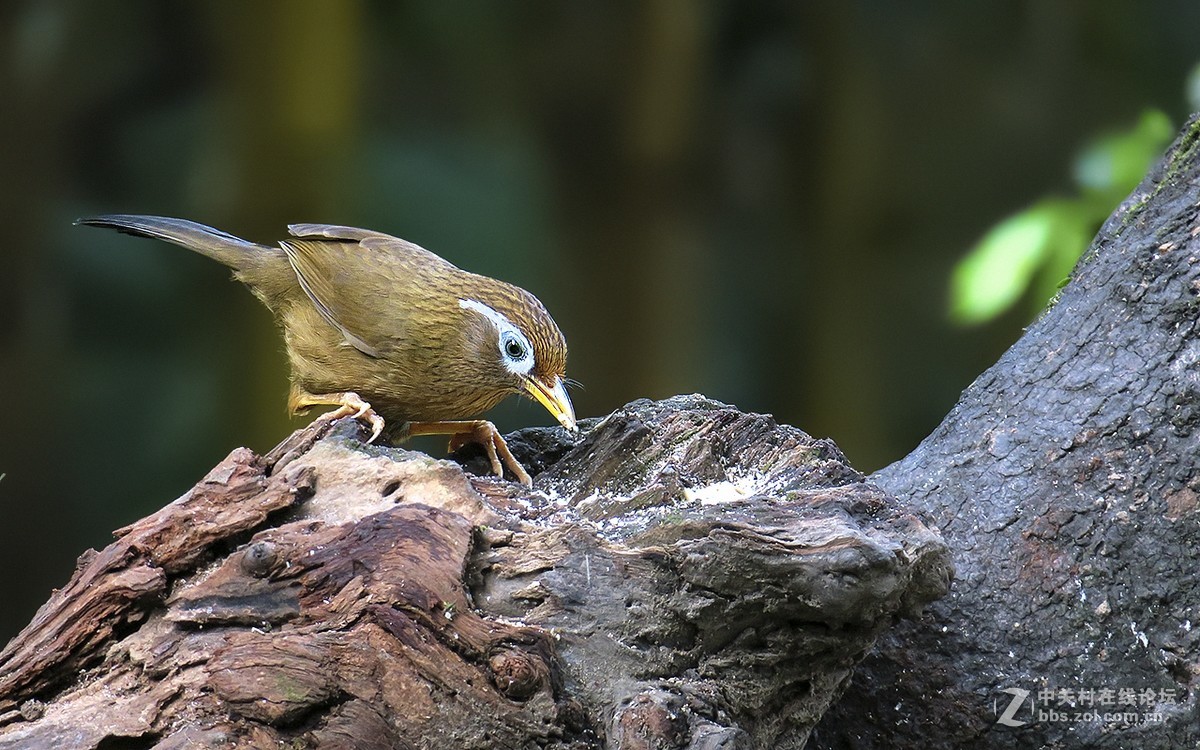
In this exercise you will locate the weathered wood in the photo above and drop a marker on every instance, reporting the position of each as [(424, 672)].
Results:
[(682, 576), (114, 589)]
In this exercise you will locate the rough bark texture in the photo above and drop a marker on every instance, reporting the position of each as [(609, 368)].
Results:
[(1067, 482), (683, 575)]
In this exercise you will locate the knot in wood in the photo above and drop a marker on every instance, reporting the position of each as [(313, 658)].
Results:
[(259, 559), (516, 674)]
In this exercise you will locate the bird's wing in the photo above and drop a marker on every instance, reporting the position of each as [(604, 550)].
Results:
[(359, 285), (311, 261), (369, 239), (335, 232)]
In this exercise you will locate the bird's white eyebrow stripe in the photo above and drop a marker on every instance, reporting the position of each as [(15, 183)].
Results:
[(490, 313), (503, 325)]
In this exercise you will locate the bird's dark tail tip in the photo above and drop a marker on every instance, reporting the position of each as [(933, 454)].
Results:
[(218, 245)]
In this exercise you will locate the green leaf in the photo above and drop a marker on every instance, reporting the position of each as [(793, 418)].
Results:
[(1035, 248), (1115, 163), (997, 271)]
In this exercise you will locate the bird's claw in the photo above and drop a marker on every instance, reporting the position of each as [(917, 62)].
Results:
[(348, 405), (486, 434), (352, 405), (368, 415), (477, 431)]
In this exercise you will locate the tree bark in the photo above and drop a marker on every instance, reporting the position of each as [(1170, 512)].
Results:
[(1066, 481), (683, 575)]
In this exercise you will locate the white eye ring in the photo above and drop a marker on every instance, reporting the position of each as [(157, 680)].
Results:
[(515, 351)]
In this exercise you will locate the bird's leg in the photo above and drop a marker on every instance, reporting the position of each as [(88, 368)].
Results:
[(476, 431), (349, 404)]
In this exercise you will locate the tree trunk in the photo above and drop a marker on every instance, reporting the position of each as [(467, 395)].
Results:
[(682, 576), (1066, 481)]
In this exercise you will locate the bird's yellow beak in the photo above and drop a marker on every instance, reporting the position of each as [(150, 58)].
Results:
[(554, 398)]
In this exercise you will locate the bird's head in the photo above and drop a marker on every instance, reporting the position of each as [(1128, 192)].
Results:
[(519, 348)]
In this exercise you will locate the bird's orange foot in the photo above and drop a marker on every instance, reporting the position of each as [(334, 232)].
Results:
[(349, 404), (476, 431)]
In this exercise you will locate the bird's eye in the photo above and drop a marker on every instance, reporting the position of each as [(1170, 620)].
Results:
[(513, 348)]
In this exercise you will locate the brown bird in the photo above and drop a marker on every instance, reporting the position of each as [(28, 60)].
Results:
[(384, 329)]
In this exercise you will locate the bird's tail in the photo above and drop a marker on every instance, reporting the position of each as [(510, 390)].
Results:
[(240, 255)]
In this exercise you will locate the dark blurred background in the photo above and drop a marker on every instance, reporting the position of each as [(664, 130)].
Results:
[(761, 201)]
